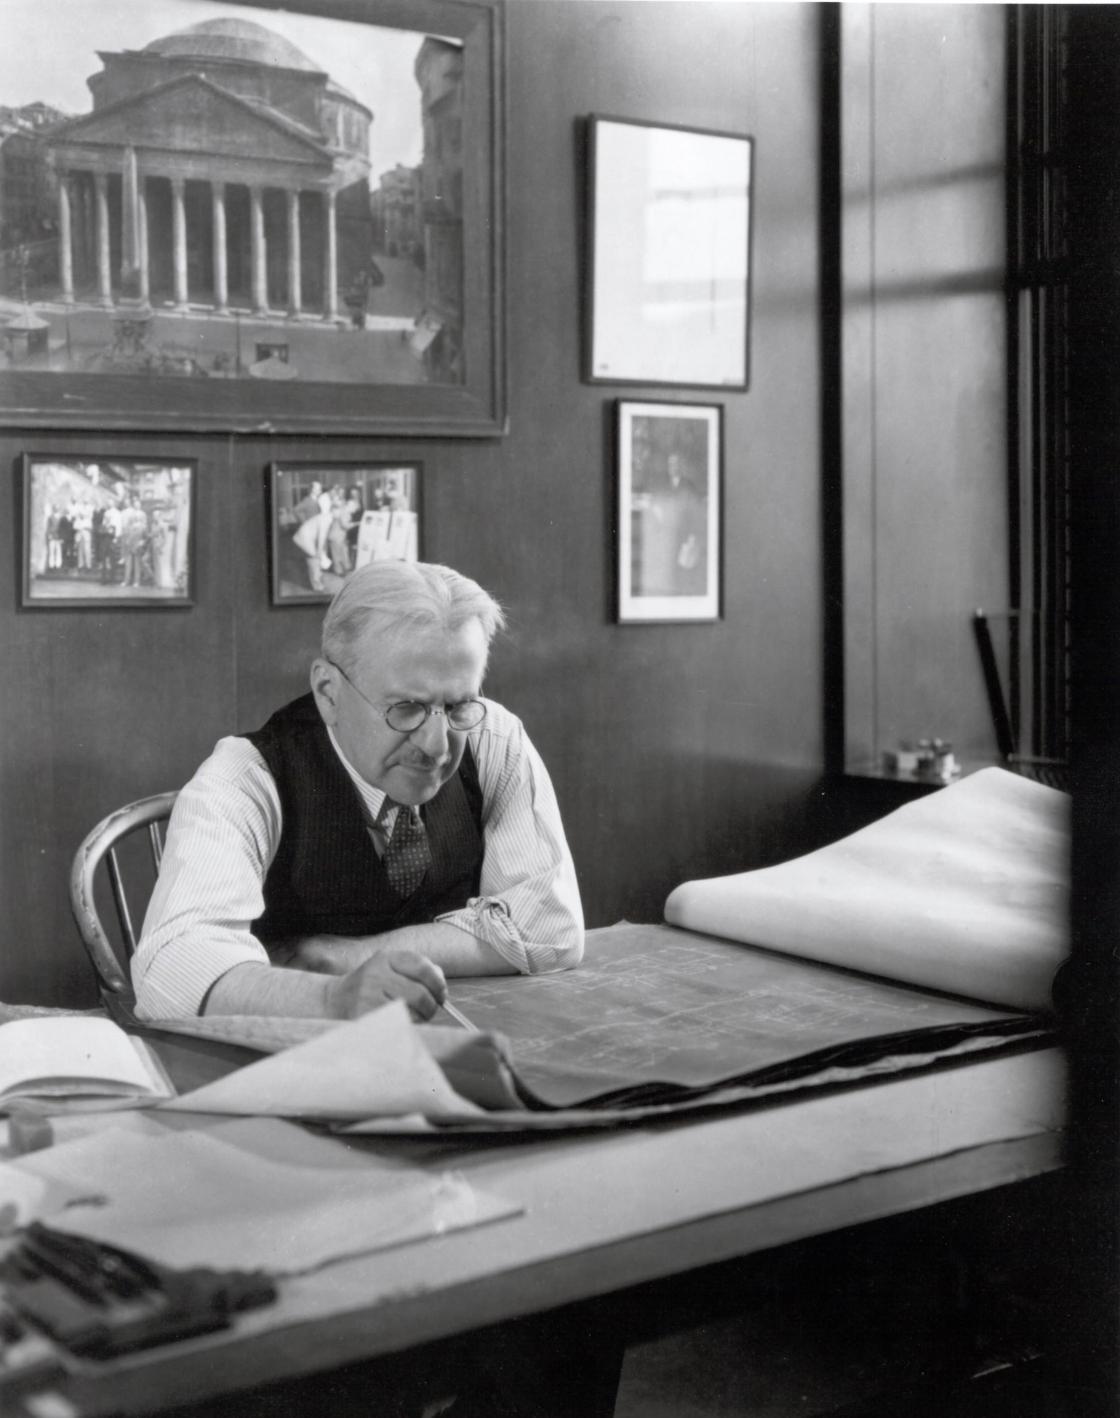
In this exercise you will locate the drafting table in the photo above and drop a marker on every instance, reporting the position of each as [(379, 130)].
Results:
[(605, 1213)]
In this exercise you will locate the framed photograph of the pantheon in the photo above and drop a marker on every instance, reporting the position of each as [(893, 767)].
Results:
[(252, 217)]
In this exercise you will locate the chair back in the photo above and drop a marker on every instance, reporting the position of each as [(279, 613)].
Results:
[(105, 845), (1054, 772)]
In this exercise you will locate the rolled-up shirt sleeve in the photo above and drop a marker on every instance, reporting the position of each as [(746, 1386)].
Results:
[(220, 843), (528, 908)]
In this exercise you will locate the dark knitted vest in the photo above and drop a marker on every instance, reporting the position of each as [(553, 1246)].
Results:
[(326, 877)]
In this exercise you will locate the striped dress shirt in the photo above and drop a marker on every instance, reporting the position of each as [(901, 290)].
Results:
[(225, 830)]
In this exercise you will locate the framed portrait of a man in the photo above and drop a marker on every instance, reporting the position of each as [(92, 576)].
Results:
[(669, 511)]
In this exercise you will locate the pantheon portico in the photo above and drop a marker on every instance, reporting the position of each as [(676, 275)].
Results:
[(219, 167)]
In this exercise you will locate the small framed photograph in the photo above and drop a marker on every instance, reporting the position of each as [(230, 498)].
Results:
[(327, 519), (101, 531), (669, 268), (670, 496)]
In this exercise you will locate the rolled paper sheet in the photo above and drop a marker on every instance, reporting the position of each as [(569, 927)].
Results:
[(965, 891)]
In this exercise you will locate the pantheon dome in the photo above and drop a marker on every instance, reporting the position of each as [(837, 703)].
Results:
[(241, 40)]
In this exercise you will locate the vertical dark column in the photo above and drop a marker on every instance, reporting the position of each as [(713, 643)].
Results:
[(1089, 1302)]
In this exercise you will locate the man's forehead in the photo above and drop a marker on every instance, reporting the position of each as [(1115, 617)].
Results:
[(397, 660)]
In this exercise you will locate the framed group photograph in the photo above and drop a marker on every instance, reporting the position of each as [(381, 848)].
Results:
[(669, 259), (104, 531), (328, 519), (670, 501), (269, 215)]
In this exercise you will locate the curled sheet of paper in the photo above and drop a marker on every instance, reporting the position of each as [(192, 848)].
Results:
[(477, 1065), (377, 1065), (965, 890)]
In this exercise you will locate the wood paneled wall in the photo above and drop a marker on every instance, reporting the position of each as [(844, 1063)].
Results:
[(677, 751)]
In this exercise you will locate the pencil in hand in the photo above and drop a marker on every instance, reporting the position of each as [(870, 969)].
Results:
[(459, 1017)]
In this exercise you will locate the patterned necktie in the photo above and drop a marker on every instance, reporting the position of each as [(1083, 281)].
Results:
[(408, 856)]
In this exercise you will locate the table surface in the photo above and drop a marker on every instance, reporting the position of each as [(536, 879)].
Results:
[(606, 1211)]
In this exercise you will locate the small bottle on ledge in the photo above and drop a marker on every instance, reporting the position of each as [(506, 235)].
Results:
[(929, 760)]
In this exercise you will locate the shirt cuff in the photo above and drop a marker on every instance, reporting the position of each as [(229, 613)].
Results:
[(488, 918)]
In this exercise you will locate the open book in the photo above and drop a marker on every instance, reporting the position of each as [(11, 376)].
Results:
[(76, 1061), (931, 935)]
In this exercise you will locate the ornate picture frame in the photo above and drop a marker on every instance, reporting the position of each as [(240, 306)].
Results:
[(670, 511), (327, 519), (266, 216), (105, 531)]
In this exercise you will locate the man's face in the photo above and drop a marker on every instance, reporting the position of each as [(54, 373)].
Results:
[(437, 667)]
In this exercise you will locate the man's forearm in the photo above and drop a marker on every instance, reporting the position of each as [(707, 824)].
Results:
[(396, 975), (455, 951), (257, 988)]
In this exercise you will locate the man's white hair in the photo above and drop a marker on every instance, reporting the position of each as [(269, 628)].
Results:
[(394, 599)]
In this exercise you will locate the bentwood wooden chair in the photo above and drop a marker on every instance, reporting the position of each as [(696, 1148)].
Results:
[(117, 844)]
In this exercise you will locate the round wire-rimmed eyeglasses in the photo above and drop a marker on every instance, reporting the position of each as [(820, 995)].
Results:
[(409, 715)]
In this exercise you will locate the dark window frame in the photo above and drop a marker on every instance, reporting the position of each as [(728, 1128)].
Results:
[(1038, 277)]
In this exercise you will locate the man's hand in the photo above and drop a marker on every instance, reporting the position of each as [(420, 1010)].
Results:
[(257, 988), (396, 974), (340, 977)]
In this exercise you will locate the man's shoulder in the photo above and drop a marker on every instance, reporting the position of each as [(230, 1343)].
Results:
[(232, 760), (500, 745), (297, 716), (232, 789), (500, 722)]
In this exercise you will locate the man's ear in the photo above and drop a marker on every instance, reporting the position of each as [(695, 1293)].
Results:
[(325, 687)]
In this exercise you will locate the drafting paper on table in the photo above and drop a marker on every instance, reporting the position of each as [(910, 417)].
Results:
[(962, 892), (26, 1196), (657, 1015), (254, 1198), (654, 1018)]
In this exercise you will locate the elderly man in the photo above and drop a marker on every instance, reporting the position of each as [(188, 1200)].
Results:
[(385, 830)]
